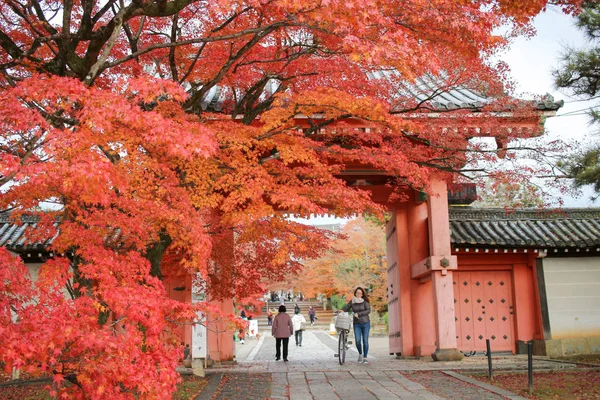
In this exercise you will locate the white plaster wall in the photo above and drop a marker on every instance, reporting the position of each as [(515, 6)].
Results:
[(573, 291), (34, 270)]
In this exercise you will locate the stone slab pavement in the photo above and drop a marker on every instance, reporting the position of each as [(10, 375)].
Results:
[(314, 373)]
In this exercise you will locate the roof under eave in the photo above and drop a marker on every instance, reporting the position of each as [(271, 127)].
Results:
[(12, 236), (546, 229), (469, 228)]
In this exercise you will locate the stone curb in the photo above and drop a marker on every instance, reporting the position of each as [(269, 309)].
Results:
[(245, 368), (486, 386), (214, 381)]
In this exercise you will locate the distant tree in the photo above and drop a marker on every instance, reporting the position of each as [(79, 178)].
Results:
[(509, 194), (356, 259), (580, 72)]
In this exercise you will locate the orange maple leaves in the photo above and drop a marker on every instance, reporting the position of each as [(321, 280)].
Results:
[(356, 258), (178, 128)]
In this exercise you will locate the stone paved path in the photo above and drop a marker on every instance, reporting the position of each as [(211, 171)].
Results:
[(314, 373)]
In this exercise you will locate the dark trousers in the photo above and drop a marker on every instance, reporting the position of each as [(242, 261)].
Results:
[(278, 342), (298, 336)]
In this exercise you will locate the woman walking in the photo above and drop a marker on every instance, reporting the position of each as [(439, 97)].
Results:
[(282, 329), (298, 320), (362, 323)]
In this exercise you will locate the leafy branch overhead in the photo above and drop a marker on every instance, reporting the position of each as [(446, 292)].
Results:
[(164, 132)]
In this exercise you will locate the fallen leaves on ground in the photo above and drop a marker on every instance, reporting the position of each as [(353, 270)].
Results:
[(575, 385)]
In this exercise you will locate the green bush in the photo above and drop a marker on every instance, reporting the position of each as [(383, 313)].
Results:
[(338, 302), (385, 318), (378, 319)]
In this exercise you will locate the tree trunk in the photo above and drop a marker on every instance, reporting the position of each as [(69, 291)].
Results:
[(155, 253)]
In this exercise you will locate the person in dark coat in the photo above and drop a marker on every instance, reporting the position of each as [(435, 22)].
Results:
[(282, 329), (312, 314), (362, 323)]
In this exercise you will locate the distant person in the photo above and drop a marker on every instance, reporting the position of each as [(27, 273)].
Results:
[(282, 329), (243, 315), (270, 318), (296, 308), (298, 320), (241, 336), (362, 323), (312, 315)]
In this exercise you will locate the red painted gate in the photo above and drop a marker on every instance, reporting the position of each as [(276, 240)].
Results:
[(484, 310)]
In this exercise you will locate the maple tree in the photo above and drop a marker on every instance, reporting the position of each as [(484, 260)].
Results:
[(166, 130), (510, 195)]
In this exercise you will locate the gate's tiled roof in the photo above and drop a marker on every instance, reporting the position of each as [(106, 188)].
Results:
[(568, 228), (434, 92), (12, 236)]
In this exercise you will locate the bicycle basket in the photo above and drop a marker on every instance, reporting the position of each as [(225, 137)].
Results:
[(343, 321)]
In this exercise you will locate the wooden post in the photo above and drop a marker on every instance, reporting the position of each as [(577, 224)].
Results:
[(443, 290)]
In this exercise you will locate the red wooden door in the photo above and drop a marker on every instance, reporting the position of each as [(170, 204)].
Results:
[(484, 310)]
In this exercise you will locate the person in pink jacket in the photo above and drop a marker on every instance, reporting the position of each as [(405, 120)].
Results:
[(282, 329)]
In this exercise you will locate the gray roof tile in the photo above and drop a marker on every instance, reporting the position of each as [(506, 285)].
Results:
[(568, 228), (435, 91), (12, 236)]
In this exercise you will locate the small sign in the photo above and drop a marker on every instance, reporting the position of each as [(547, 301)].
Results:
[(198, 330)]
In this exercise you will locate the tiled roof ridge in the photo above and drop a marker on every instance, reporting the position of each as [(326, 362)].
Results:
[(26, 219), (438, 93), (573, 228), (486, 214)]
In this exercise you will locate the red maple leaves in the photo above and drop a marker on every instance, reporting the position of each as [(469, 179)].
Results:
[(164, 132)]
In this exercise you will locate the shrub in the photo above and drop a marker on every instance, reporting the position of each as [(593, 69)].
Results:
[(385, 318), (338, 302)]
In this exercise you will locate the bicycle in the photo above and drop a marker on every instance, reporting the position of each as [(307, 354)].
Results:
[(342, 325)]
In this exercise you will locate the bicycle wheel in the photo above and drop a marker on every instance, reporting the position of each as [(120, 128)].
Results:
[(342, 346)]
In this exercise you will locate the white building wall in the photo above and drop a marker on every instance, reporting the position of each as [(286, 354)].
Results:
[(573, 294), (34, 270), (34, 273)]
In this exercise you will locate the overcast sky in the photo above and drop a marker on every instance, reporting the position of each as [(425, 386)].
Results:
[(531, 62)]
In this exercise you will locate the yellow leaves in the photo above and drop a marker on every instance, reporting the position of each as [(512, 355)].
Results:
[(356, 57), (99, 307)]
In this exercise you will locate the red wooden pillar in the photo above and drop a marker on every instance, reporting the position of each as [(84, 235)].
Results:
[(219, 336), (219, 339), (440, 264), (180, 288)]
